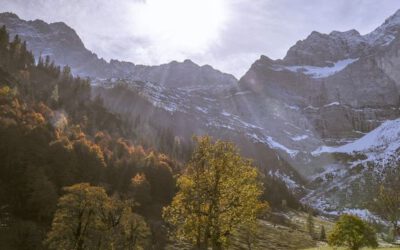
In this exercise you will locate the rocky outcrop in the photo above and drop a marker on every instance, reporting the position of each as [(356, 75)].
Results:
[(344, 83), (322, 49), (331, 90), (186, 75)]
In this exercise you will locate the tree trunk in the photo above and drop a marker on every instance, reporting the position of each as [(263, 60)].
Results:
[(354, 247), (204, 244), (216, 245)]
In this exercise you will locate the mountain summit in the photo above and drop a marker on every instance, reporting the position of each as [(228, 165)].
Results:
[(322, 49), (64, 46)]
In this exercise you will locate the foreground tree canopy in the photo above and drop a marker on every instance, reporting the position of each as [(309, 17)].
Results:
[(352, 232), (218, 193), (87, 218)]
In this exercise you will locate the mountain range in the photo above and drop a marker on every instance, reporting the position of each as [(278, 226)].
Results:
[(329, 108)]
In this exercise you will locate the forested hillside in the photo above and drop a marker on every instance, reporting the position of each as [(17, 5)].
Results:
[(59, 141), (53, 135)]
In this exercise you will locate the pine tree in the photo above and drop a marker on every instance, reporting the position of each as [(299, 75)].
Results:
[(4, 38), (310, 224), (4, 42), (15, 46), (322, 235), (40, 63), (54, 95), (284, 205), (47, 62), (66, 73)]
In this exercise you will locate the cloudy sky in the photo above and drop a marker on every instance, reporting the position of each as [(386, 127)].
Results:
[(227, 34)]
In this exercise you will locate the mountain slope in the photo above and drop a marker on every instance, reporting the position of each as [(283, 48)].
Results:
[(340, 89), (329, 90), (341, 86), (345, 181), (179, 98), (64, 46)]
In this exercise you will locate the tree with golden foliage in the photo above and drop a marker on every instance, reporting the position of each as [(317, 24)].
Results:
[(87, 218), (141, 189), (352, 232), (218, 193)]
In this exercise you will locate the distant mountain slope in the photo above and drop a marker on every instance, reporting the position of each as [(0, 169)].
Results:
[(64, 46)]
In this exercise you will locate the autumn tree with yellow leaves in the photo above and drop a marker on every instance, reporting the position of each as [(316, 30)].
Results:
[(218, 194), (87, 218)]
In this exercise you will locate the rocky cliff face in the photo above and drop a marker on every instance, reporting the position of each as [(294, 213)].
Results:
[(335, 88), (56, 40), (324, 49), (343, 82)]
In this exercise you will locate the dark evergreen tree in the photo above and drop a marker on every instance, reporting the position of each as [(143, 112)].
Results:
[(322, 234)]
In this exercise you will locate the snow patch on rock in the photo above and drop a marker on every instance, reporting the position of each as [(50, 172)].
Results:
[(299, 137), (331, 104), (290, 184), (322, 72), (381, 142)]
